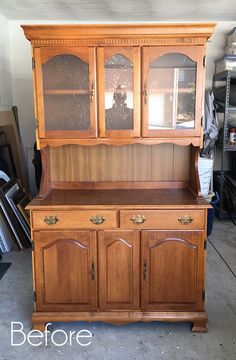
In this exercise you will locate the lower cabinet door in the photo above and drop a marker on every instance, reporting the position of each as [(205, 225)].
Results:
[(65, 270), (119, 269), (173, 266)]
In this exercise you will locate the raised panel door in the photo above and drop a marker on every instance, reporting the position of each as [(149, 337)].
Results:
[(65, 270), (65, 92), (119, 269), (173, 264)]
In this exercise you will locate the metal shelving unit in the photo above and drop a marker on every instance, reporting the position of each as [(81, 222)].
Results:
[(228, 77)]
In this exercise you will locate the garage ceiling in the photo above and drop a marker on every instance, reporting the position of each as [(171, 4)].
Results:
[(119, 10)]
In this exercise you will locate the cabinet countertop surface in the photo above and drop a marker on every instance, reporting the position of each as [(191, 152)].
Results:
[(91, 198)]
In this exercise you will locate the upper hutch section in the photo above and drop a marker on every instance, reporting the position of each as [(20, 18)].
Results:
[(118, 84)]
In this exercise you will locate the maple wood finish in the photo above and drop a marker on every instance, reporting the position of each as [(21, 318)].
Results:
[(74, 219), (180, 284), (95, 44), (196, 54), (119, 269), (119, 225), (42, 56), (68, 282), (158, 219), (143, 163)]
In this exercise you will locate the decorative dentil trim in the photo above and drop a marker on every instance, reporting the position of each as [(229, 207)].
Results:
[(119, 41)]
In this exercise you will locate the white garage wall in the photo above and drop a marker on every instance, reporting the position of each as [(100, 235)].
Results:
[(22, 93), (21, 73), (5, 71), (22, 87)]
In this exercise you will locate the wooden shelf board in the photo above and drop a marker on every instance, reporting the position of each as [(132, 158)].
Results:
[(223, 75), (230, 148), (90, 198), (66, 92)]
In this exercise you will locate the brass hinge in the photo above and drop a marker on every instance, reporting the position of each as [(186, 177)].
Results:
[(36, 123), (35, 297), (204, 60), (205, 244), (33, 63), (202, 121), (203, 295)]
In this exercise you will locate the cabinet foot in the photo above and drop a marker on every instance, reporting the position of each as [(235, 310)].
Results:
[(38, 326), (41, 326), (199, 326)]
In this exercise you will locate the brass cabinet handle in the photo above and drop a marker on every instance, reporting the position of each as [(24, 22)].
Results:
[(138, 219), (97, 219), (91, 93), (144, 270), (51, 219), (145, 92), (185, 219), (92, 271)]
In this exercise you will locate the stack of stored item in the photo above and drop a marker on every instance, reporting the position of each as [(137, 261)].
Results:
[(225, 101), (225, 96), (231, 46), (228, 61), (14, 220)]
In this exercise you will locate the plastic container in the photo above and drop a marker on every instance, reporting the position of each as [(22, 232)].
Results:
[(211, 213), (205, 169), (219, 94), (232, 36), (232, 136), (232, 164), (231, 50), (227, 62)]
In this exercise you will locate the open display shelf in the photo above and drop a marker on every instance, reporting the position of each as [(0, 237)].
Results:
[(224, 106)]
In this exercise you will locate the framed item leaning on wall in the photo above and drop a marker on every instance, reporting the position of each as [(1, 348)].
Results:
[(21, 205), (18, 235), (12, 194), (7, 241)]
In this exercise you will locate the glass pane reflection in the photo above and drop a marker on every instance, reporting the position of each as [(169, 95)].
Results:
[(171, 92), (119, 93)]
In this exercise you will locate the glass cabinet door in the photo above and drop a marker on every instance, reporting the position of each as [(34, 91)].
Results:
[(119, 84), (172, 91), (65, 87)]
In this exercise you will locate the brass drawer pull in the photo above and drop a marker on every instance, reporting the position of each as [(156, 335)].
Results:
[(51, 219), (185, 219), (138, 219), (97, 219)]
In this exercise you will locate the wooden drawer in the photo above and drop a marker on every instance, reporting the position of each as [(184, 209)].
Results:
[(162, 219), (78, 219)]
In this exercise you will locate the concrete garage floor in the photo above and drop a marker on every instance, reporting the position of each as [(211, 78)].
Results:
[(134, 341)]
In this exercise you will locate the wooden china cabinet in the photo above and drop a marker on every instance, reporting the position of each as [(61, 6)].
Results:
[(119, 224)]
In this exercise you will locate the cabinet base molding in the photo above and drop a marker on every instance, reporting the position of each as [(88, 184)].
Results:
[(198, 319)]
